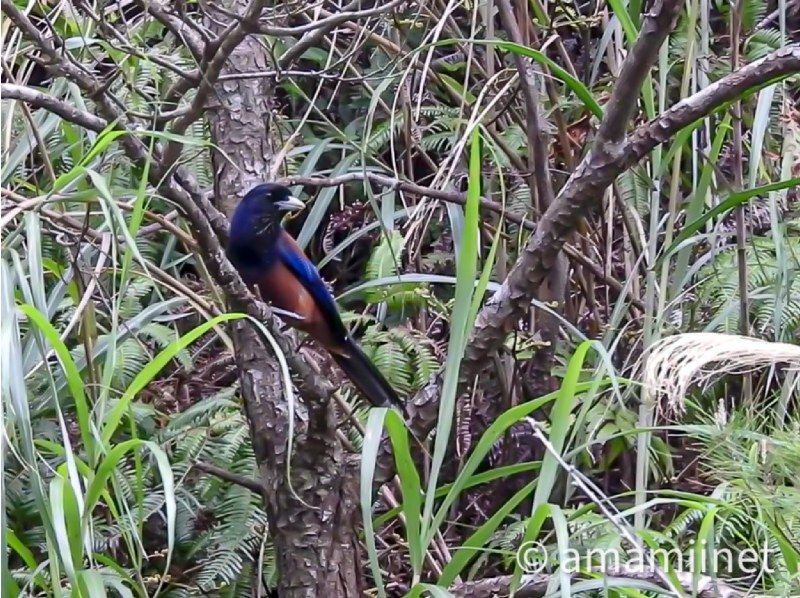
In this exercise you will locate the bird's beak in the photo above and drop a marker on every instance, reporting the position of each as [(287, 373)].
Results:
[(290, 204)]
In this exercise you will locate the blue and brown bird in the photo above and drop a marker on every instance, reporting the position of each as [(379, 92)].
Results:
[(267, 257)]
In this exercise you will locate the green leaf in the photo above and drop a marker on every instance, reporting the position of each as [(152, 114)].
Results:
[(466, 266), (487, 440), (107, 468), (474, 480), (559, 73), (479, 537), (560, 423), (369, 454), (73, 376), (732, 201), (59, 490)]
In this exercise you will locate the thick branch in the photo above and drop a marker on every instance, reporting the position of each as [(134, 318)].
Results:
[(776, 65), (583, 191), (583, 188), (622, 104)]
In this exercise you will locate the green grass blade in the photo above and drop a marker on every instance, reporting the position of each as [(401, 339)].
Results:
[(558, 72), (732, 201), (466, 266), (476, 480), (477, 540), (487, 440), (109, 465), (411, 487), (369, 454), (74, 380), (560, 423)]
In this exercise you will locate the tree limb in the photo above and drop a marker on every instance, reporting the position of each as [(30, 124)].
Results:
[(461, 199), (332, 20), (608, 158), (177, 26), (322, 27), (216, 55), (234, 478), (37, 99)]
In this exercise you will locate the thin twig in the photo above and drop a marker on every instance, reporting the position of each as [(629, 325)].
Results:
[(234, 478), (458, 198)]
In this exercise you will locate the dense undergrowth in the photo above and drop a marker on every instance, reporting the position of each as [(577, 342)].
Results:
[(128, 467)]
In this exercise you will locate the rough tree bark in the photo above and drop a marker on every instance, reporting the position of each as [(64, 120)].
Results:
[(313, 518)]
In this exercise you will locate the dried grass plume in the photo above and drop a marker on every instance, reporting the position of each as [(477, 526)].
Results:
[(675, 363)]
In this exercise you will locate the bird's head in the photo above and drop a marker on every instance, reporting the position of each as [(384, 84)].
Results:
[(261, 209), (271, 198)]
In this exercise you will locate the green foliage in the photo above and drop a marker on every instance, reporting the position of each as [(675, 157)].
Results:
[(773, 289), (405, 356), (221, 532), (111, 399), (384, 263)]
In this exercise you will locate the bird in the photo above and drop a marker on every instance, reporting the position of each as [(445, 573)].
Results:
[(268, 258)]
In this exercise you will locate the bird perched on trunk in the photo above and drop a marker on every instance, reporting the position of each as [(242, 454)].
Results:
[(266, 256)]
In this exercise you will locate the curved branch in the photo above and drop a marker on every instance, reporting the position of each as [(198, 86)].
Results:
[(177, 26), (461, 199), (607, 159), (318, 29), (334, 19)]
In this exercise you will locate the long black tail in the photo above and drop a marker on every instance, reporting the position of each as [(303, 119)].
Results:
[(366, 377)]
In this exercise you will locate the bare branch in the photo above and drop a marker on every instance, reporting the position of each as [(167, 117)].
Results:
[(10, 91), (331, 21), (585, 189), (537, 151), (542, 249), (776, 65), (622, 104), (320, 28), (461, 199), (123, 44), (792, 11), (216, 55), (177, 26), (234, 478)]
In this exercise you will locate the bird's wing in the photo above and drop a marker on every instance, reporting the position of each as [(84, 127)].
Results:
[(292, 256)]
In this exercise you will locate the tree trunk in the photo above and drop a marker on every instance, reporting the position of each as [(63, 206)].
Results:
[(315, 543), (313, 519)]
